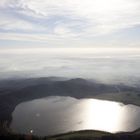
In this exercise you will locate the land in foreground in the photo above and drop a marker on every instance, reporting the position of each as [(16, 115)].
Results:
[(78, 135)]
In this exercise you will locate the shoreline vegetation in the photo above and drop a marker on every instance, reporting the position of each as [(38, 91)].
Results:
[(14, 92)]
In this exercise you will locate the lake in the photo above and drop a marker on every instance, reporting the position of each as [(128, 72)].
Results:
[(54, 115)]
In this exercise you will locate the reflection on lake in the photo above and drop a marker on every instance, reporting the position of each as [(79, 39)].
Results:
[(55, 115)]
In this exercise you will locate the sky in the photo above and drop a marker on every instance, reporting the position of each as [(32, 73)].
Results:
[(97, 39), (69, 23)]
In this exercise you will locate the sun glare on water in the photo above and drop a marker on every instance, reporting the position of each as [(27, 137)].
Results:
[(106, 117)]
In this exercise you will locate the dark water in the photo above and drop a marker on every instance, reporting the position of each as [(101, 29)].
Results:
[(55, 115)]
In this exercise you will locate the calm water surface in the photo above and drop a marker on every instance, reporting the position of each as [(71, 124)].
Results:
[(55, 115)]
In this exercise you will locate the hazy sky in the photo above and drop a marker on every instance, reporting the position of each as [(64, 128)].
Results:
[(70, 23), (106, 65)]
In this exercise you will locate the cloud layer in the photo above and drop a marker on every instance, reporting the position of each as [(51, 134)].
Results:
[(106, 65), (65, 20)]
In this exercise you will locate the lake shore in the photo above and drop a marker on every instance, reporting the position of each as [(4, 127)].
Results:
[(78, 135)]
